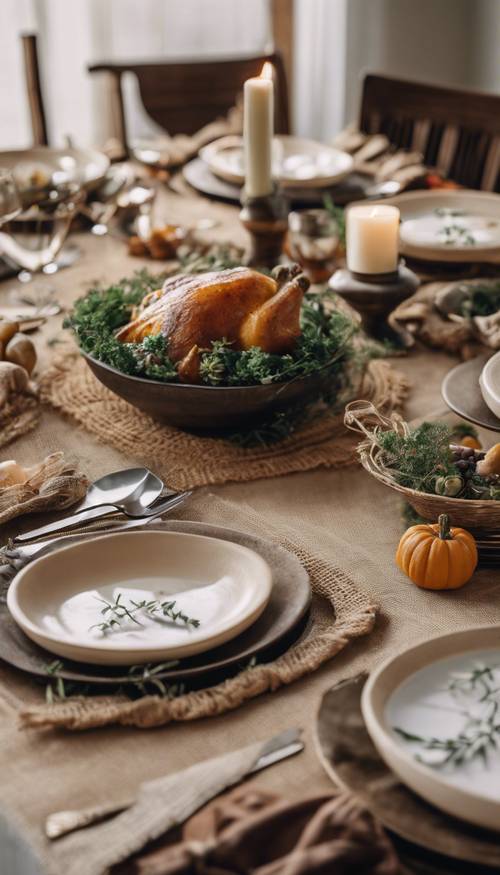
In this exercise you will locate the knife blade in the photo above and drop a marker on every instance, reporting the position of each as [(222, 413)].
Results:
[(60, 823)]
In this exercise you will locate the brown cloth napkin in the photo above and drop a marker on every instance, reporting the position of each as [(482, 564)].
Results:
[(423, 317), (248, 832)]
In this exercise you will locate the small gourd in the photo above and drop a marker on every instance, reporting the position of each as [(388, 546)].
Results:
[(450, 486), (491, 462), (472, 442), (437, 556)]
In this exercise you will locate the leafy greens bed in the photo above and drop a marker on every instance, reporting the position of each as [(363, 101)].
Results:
[(325, 343)]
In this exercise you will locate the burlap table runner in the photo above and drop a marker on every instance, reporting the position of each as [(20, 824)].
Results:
[(340, 611), (185, 460)]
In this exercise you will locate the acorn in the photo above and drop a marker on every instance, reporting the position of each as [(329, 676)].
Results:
[(20, 350), (7, 330), (450, 486)]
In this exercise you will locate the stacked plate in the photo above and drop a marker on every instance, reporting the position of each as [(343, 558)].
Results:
[(432, 715), (305, 170), (449, 226), (192, 602)]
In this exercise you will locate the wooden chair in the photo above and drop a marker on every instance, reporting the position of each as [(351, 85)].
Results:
[(183, 97), (34, 89), (458, 132)]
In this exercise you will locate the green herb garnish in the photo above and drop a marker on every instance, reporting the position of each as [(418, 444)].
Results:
[(418, 458), (117, 611), (324, 343), (477, 694)]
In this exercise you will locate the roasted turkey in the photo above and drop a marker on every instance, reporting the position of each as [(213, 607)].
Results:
[(241, 305)]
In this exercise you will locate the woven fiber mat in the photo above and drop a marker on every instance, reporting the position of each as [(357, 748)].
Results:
[(185, 460), (340, 612)]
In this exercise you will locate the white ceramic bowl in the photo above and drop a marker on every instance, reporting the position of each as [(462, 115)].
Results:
[(455, 792), (489, 382), (56, 599)]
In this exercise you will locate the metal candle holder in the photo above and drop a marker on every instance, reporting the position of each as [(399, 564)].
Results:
[(266, 220), (375, 295)]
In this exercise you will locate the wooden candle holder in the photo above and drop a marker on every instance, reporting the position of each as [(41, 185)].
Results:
[(375, 296), (266, 220)]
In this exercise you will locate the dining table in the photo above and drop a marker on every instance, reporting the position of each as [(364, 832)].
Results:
[(342, 515)]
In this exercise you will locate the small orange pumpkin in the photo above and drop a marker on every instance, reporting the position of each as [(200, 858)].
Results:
[(437, 556), (471, 441)]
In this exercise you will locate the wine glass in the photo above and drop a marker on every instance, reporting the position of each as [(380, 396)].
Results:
[(33, 233), (10, 202), (313, 240)]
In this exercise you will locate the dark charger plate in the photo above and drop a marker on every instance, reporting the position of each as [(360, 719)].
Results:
[(281, 623), (428, 840), (208, 408)]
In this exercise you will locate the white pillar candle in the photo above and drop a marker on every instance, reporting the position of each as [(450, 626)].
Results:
[(258, 133), (372, 236)]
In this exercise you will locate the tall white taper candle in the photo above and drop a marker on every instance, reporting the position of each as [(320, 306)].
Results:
[(258, 133)]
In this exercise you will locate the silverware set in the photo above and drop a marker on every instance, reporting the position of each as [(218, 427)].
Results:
[(122, 500)]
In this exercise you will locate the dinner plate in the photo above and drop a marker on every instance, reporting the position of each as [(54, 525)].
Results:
[(489, 383), (297, 163), (215, 590), (431, 710), (420, 831), (199, 176), (279, 624), (461, 392), (41, 166), (450, 226)]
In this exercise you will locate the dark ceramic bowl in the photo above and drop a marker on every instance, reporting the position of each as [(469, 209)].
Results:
[(208, 408)]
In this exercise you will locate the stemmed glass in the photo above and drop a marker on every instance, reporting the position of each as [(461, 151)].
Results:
[(34, 233)]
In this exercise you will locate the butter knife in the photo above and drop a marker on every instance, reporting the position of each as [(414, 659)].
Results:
[(61, 823)]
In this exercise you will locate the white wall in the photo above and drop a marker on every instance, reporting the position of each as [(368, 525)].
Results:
[(447, 42)]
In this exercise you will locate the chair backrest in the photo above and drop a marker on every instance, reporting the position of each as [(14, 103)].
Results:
[(34, 89), (183, 97), (458, 132)]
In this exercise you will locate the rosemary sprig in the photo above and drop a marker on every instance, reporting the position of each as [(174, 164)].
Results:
[(480, 733), (117, 611)]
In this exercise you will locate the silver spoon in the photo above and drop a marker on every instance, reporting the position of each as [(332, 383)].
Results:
[(130, 491)]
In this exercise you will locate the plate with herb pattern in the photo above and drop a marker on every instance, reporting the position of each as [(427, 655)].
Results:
[(433, 713), (137, 597), (452, 226)]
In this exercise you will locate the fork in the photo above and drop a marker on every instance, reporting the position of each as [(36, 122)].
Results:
[(19, 556)]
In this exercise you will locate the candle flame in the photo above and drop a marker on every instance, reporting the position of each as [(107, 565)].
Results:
[(267, 71)]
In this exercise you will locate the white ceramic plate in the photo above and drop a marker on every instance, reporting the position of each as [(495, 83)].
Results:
[(56, 600), (297, 163), (489, 382), (455, 226), (37, 167), (427, 692)]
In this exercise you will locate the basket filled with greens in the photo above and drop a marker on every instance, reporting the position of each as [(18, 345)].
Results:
[(215, 350), (435, 470)]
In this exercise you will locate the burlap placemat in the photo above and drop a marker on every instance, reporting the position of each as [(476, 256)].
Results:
[(185, 460), (340, 612), (19, 416)]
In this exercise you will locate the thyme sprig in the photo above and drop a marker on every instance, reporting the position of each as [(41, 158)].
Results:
[(480, 734), (119, 611)]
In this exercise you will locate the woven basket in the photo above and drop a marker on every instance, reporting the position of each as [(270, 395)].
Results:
[(479, 515)]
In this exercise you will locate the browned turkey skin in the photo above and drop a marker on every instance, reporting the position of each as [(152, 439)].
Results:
[(241, 305)]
